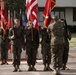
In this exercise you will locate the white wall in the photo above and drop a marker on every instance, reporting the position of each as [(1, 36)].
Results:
[(59, 3), (66, 3), (41, 3), (69, 16)]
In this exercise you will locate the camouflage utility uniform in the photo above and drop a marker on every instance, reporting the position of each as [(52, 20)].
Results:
[(1, 42), (46, 52), (67, 37), (18, 33), (5, 45), (32, 43), (56, 30)]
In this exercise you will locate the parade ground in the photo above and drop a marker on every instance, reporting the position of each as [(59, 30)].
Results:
[(71, 64), (22, 19), (8, 69)]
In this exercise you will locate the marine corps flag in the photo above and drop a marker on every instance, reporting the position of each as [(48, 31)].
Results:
[(4, 18), (48, 7), (53, 3)]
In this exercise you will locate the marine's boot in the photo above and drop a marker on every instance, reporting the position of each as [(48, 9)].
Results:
[(48, 68), (18, 69), (29, 69), (64, 68), (15, 68), (58, 72), (45, 68), (33, 68)]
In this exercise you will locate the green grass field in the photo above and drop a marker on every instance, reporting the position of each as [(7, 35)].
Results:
[(73, 41)]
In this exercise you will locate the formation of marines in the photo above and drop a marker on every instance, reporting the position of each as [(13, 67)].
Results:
[(54, 44)]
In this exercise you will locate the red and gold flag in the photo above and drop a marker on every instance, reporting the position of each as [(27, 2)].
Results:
[(50, 4), (53, 3)]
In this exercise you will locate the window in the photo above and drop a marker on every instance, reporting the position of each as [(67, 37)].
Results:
[(40, 16), (62, 15), (74, 14), (52, 13), (60, 12), (57, 13)]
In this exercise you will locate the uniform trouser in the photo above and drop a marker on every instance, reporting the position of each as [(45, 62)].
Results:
[(31, 55), (46, 53), (57, 53), (65, 54), (16, 55), (4, 55), (47, 58)]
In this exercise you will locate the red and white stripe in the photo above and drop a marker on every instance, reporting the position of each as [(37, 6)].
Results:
[(32, 11), (3, 15)]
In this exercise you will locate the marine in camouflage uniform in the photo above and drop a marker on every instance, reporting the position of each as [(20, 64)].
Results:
[(1, 41), (32, 43), (56, 31), (5, 45), (46, 52), (67, 37), (17, 35)]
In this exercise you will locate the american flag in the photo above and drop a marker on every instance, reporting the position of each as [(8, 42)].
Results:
[(48, 7), (32, 11), (4, 18)]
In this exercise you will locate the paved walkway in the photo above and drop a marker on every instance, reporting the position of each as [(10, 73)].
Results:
[(7, 69)]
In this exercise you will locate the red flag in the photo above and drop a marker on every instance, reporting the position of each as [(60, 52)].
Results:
[(3, 15), (9, 20), (53, 3), (48, 7), (32, 11)]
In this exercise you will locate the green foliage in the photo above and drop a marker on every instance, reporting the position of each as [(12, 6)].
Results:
[(15, 5)]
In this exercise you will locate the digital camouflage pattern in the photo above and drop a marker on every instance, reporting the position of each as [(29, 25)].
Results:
[(56, 31)]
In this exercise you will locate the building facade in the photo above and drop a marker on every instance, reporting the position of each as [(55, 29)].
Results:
[(65, 9)]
